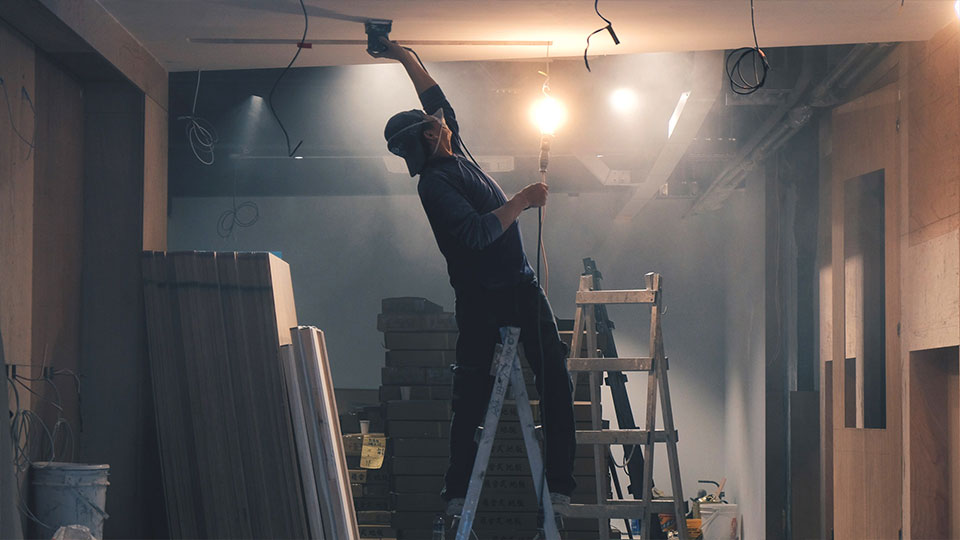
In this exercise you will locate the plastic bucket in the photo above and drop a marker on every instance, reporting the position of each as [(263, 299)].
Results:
[(719, 521), (69, 494)]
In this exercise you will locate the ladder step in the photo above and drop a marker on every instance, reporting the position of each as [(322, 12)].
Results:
[(638, 296), (609, 364), (620, 436), (616, 509)]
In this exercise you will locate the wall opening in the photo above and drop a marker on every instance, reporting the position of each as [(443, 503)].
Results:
[(864, 301), (827, 464), (850, 392), (935, 443)]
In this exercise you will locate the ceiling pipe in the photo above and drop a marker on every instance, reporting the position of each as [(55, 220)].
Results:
[(788, 119), (720, 189)]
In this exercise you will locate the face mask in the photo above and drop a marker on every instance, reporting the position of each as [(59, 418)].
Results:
[(428, 119)]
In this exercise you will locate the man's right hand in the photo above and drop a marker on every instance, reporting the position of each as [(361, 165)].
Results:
[(528, 197), (535, 194)]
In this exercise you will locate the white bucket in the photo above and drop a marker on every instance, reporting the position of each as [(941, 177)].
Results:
[(719, 521), (69, 494)]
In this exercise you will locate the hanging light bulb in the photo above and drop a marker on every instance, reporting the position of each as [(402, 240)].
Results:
[(548, 114)]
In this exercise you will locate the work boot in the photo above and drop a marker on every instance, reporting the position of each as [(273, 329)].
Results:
[(559, 501), (455, 506)]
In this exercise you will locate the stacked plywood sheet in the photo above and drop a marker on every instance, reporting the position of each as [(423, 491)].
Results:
[(233, 449), (416, 388)]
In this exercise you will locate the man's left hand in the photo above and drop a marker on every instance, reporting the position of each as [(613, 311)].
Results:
[(394, 51)]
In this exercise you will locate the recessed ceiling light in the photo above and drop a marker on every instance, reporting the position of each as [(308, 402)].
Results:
[(624, 100)]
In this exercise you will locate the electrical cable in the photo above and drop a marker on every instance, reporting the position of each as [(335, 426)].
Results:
[(608, 28), (300, 47), (201, 135), (25, 423), (544, 161), (231, 218), (457, 133), (417, 56), (13, 126), (758, 59), (33, 111)]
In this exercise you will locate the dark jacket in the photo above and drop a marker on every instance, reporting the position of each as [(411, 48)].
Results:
[(459, 199)]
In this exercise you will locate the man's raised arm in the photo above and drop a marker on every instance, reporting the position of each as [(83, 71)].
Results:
[(421, 79)]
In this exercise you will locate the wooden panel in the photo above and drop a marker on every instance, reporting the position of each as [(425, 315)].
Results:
[(16, 198), (934, 171), (155, 143), (334, 483), (934, 444), (226, 428), (285, 306), (930, 81), (865, 139), (58, 232), (931, 310)]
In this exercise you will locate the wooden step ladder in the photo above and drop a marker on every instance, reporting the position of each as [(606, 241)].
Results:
[(584, 327)]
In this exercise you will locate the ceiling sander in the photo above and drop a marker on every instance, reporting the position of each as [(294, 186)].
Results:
[(376, 29)]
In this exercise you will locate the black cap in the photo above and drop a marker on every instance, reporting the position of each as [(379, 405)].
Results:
[(403, 134)]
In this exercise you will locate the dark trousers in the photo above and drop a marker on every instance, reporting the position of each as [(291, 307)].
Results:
[(480, 314)]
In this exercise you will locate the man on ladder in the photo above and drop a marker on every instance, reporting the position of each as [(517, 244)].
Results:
[(476, 229)]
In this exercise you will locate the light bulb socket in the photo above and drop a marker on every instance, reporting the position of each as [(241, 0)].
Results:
[(545, 151)]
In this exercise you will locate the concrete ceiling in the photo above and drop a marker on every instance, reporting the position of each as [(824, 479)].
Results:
[(166, 27)]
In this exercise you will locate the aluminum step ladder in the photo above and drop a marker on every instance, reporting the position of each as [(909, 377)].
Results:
[(507, 372), (656, 365)]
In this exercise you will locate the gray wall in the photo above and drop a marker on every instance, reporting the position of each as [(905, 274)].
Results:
[(745, 351), (346, 253)]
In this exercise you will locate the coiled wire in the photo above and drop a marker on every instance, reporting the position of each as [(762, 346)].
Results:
[(201, 135)]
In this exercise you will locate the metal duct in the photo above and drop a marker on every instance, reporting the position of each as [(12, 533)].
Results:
[(789, 118)]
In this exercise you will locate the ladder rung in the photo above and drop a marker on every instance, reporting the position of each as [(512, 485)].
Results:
[(637, 296), (619, 436), (616, 509), (609, 364)]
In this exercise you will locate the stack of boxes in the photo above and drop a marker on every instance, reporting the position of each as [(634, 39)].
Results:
[(420, 339), (370, 486)]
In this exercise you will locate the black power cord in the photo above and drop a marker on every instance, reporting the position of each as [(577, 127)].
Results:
[(752, 55), (608, 28), (300, 47), (24, 95), (245, 214)]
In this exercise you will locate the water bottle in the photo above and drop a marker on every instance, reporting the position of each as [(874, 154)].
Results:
[(438, 528)]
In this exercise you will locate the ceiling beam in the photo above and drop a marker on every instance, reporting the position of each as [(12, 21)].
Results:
[(81, 34), (706, 84)]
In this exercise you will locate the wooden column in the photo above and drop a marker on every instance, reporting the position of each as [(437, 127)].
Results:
[(117, 402), (16, 197), (57, 239)]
